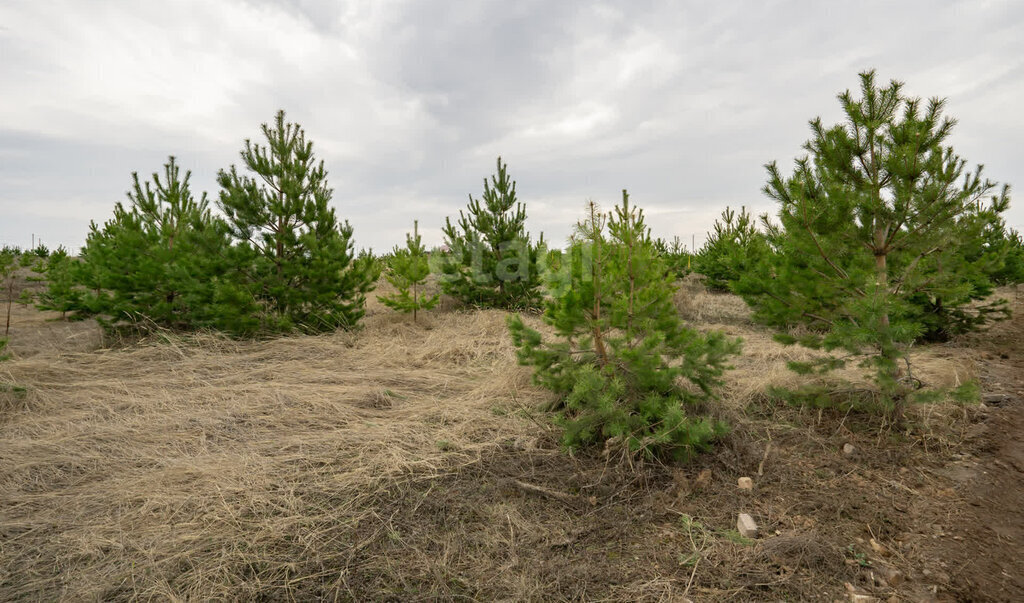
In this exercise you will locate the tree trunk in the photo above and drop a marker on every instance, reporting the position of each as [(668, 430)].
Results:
[(602, 354), (891, 370), (10, 300)]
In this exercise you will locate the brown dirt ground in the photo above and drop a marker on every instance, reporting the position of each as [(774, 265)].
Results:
[(977, 539), (405, 462)]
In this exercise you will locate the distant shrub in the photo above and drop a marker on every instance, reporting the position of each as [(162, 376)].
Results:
[(675, 255), (63, 293), (733, 246)]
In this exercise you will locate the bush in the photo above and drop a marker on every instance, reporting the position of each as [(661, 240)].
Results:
[(628, 373)]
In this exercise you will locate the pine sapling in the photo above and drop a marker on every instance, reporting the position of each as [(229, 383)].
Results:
[(733, 245), (407, 270), (62, 293), (869, 227), (491, 261), (676, 256), (628, 373)]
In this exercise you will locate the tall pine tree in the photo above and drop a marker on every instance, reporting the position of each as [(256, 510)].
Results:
[(407, 270), (297, 258), (630, 374), (491, 261), (869, 224)]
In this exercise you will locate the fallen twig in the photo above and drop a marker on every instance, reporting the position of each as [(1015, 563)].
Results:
[(562, 496)]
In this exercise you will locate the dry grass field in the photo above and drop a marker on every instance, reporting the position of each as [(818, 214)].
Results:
[(408, 462)]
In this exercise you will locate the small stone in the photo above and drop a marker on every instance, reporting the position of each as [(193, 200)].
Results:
[(893, 576), (849, 450), (996, 399), (525, 443), (745, 483), (746, 526), (879, 548), (856, 596)]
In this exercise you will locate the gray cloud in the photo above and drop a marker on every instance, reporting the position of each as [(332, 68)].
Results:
[(410, 102)]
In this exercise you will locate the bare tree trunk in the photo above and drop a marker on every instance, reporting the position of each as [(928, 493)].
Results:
[(602, 354), (10, 300)]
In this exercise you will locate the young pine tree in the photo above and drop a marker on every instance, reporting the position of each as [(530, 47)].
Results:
[(62, 293), (731, 248), (407, 271), (491, 261), (161, 260), (675, 255), (298, 260), (1012, 272), (8, 272), (12, 261), (867, 224), (628, 372)]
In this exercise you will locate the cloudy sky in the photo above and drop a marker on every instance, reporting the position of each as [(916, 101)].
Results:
[(410, 102)]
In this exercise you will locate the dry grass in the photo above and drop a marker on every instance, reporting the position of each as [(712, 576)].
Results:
[(34, 332), (384, 464), (211, 468)]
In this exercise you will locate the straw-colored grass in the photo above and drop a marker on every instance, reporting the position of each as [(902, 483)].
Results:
[(207, 467)]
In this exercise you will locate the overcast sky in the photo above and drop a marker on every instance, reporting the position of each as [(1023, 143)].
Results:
[(410, 102)]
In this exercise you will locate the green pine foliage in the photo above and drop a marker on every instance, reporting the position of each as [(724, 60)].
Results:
[(162, 260), (1012, 272), (407, 270), (62, 293), (869, 224), (732, 247), (629, 373), (675, 255), (297, 259), (491, 262), (40, 251), (981, 259)]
